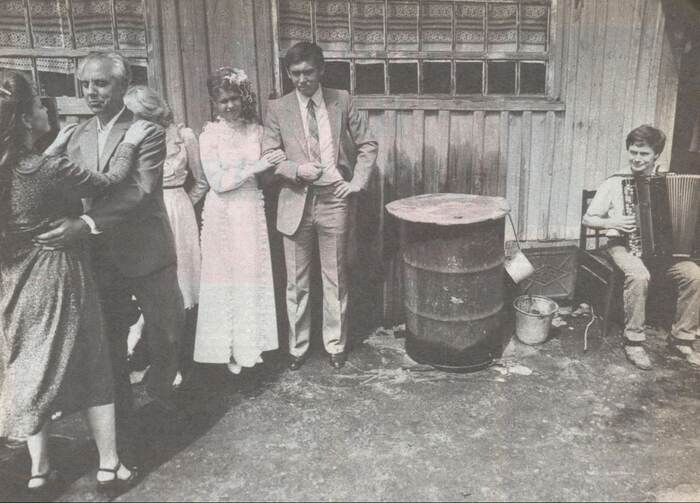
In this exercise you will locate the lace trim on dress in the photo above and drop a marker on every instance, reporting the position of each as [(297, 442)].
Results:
[(268, 314), (222, 128)]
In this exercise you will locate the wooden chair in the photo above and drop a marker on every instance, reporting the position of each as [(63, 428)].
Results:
[(598, 280)]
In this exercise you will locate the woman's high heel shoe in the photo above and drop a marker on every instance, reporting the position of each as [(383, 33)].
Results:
[(48, 489), (115, 486)]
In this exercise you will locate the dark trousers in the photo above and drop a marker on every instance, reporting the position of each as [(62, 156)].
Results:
[(159, 298)]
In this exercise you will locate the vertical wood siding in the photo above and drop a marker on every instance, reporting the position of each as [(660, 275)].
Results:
[(195, 37), (616, 69)]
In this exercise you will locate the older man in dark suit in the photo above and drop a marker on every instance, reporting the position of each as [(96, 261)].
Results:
[(132, 242), (330, 156)]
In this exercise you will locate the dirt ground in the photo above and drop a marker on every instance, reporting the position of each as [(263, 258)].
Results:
[(546, 422)]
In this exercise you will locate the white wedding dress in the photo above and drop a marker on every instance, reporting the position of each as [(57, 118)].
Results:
[(237, 318)]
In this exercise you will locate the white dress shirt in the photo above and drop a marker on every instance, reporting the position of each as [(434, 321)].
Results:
[(103, 131), (325, 137), (102, 135)]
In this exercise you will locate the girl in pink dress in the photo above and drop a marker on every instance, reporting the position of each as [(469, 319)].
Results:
[(237, 318)]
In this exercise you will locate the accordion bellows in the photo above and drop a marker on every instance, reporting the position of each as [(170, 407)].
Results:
[(668, 211)]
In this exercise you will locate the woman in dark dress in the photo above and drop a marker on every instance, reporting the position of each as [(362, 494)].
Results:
[(53, 353)]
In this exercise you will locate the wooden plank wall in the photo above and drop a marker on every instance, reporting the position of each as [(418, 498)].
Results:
[(620, 71), (192, 38), (616, 70)]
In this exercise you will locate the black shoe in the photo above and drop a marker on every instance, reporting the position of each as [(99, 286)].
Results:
[(116, 486), (15, 443), (168, 405), (338, 360), (295, 362)]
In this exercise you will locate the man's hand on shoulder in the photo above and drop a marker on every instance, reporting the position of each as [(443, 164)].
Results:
[(63, 232)]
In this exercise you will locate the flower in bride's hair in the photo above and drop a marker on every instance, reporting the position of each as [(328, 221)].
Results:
[(240, 75), (236, 76)]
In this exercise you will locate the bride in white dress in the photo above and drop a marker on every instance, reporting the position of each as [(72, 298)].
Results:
[(237, 318)]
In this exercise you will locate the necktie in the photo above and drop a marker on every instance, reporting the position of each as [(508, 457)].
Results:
[(314, 145)]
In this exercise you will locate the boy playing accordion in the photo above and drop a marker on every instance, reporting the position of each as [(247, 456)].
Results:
[(607, 211)]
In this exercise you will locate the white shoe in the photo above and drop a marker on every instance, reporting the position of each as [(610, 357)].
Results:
[(233, 368), (638, 356), (686, 351)]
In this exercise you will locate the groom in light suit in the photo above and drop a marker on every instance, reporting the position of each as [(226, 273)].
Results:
[(330, 156)]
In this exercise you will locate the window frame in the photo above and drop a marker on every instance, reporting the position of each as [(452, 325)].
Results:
[(552, 57), (75, 105)]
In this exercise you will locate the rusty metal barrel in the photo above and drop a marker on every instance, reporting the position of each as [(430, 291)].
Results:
[(452, 255)]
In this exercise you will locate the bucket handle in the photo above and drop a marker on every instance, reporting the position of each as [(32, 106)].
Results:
[(517, 242), (515, 233)]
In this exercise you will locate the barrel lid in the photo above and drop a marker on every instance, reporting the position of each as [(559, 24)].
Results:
[(449, 209)]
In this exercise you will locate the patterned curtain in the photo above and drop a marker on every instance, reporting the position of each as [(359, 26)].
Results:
[(436, 28), (469, 27), (93, 24), (503, 28), (296, 26), (368, 25), (13, 32), (332, 25), (51, 29), (402, 26)]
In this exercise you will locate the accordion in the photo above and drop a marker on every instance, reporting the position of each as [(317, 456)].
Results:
[(667, 209)]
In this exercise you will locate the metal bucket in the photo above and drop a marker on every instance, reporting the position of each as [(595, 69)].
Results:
[(453, 274), (533, 317)]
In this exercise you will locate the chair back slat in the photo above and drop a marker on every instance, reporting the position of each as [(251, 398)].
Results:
[(587, 232)]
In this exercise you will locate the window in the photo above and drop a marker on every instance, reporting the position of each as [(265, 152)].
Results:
[(425, 47), (45, 39)]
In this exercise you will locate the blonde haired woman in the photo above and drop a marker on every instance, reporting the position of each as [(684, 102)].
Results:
[(182, 158)]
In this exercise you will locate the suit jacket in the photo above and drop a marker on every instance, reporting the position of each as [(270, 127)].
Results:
[(355, 149), (131, 215)]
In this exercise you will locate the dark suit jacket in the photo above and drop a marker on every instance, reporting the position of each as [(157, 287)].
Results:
[(132, 215), (355, 149)]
